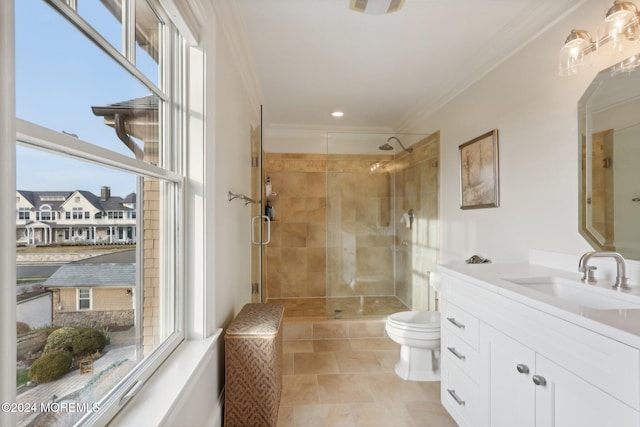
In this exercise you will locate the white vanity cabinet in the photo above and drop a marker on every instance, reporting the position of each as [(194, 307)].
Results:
[(525, 389), (528, 367), (459, 363), (568, 400), (508, 391)]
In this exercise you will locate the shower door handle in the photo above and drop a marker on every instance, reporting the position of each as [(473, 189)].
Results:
[(253, 229)]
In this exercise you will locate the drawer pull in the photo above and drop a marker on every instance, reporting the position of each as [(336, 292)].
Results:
[(523, 369), (539, 380), (456, 353), (455, 322), (456, 397)]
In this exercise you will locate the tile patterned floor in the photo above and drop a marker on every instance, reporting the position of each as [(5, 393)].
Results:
[(340, 373)]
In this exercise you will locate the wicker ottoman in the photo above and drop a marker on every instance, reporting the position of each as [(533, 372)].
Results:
[(253, 366)]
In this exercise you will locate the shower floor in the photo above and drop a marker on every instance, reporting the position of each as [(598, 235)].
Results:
[(337, 308)]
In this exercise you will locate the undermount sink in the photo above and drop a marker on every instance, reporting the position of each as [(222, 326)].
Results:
[(576, 292)]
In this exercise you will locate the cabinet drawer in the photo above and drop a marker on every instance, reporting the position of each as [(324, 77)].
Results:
[(459, 395), (459, 353), (461, 323)]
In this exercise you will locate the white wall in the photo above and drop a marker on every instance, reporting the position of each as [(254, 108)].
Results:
[(535, 112), (234, 117)]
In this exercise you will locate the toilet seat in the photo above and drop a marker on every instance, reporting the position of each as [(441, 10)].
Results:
[(415, 320)]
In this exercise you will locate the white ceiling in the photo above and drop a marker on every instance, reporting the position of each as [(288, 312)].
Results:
[(312, 57)]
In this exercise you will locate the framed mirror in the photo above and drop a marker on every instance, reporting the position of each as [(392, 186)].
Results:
[(609, 147)]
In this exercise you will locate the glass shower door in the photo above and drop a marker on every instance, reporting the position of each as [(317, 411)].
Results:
[(257, 250)]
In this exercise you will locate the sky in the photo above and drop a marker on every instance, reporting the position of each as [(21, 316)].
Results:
[(60, 75)]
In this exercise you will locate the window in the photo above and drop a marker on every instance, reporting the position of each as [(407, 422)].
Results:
[(72, 78), (84, 299), (77, 199), (24, 213), (77, 213), (45, 214)]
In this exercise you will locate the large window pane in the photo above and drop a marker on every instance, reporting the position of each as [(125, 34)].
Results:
[(98, 250), (147, 41), (106, 273), (65, 83), (105, 16)]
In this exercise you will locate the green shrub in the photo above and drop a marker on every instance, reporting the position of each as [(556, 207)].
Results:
[(61, 339), (88, 342), (50, 366), (22, 377), (107, 335)]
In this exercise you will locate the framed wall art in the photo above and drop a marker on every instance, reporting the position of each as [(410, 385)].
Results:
[(479, 183)]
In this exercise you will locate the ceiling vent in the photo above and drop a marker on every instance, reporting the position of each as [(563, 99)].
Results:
[(376, 7)]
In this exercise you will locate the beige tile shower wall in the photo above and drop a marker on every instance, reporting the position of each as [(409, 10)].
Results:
[(336, 224), (296, 257), (416, 184)]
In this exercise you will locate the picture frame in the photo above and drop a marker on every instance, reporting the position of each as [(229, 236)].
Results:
[(479, 172)]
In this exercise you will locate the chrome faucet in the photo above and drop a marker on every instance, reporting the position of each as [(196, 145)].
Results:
[(584, 267)]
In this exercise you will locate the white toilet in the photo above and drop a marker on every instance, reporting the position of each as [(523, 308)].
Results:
[(418, 333)]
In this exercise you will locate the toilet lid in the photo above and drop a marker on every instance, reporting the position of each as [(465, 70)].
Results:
[(417, 319)]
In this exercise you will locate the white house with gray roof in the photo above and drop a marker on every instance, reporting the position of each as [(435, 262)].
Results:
[(80, 217)]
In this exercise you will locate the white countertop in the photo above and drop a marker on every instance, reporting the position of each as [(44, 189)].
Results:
[(622, 325)]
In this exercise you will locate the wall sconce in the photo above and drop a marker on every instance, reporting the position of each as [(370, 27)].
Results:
[(620, 29)]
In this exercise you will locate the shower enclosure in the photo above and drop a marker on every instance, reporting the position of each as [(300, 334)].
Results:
[(382, 219), (355, 229)]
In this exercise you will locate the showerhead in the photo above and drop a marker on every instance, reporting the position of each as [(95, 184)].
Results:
[(388, 147)]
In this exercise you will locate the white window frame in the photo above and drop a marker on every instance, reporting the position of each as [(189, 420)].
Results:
[(46, 209), (24, 214), (35, 136), (80, 298), (77, 213), (32, 135), (115, 215), (8, 194)]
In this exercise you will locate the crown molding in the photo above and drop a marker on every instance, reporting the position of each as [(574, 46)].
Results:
[(309, 139), (234, 30), (298, 128)]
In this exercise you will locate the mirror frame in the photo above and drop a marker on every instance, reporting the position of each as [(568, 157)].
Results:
[(598, 87)]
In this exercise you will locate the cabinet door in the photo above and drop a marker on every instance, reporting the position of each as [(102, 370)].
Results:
[(567, 400), (506, 380)]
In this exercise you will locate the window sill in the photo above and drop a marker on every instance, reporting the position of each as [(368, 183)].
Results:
[(155, 401)]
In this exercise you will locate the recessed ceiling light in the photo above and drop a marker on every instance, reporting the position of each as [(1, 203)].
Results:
[(337, 114)]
